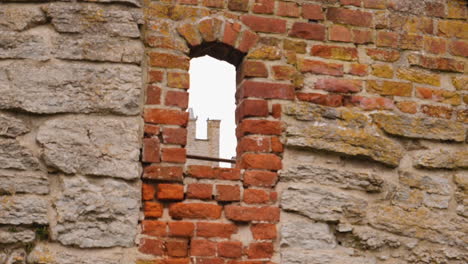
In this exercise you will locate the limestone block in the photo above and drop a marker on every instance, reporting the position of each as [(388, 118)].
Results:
[(23, 209), (16, 235), (307, 235), (12, 182), (436, 200), (14, 45), (340, 131), (19, 18), (58, 87), (131, 2), (13, 256), (322, 257), (97, 212), (98, 48), (321, 204), (100, 146), (442, 159), (15, 156), (426, 182), (344, 179), (11, 126), (94, 19), (420, 127)]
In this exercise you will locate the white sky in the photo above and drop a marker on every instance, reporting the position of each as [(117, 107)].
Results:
[(212, 95)]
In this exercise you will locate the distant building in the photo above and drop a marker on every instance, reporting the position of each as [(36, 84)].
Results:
[(202, 147)]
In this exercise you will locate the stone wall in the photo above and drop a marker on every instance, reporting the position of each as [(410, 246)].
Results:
[(351, 125)]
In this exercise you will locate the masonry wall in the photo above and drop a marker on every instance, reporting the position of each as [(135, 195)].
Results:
[(351, 125), (208, 147)]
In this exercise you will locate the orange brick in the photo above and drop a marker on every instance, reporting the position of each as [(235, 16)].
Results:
[(153, 228), (170, 192), (254, 69), (260, 178), (177, 248), (349, 17), (260, 250), (170, 173), (200, 191), (195, 211), (227, 193), (230, 249), (165, 116), (339, 33), (332, 100), (308, 31), (202, 248), (181, 229), (261, 161), (264, 6), (174, 135), (148, 191), (253, 196), (263, 127), (176, 155), (216, 230), (166, 60), (151, 246), (320, 67), (153, 95), (264, 24), (201, 172), (288, 9), (263, 231), (175, 98), (312, 11), (152, 209), (238, 5)]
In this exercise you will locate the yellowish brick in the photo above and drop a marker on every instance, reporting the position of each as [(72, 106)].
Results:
[(382, 70), (418, 76)]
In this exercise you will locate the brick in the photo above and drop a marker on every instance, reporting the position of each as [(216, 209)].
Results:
[(210, 261), (263, 24), (265, 53), (411, 42), (260, 178), (281, 72), (332, 100), (254, 144), (238, 5), (266, 90), (209, 29), (165, 42), (261, 161), (457, 9), (175, 155), (254, 69), (227, 193), (459, 48), (195, 211), (147, 191), (263, 231), (230, 249), (382, 70), (407, 107), (276, 145), (214, 3), (351, 2), (263, 127), (437, 63), (308, 31), (166, 60), (339, 85), (248, 40), (370, 103), (460, 82), (253, 196), (181, 229), (462, 115), (387, 39), (230, 174), (383, 55), (248, 214), (152, 209), (221, 230), (179, 99), (443, 96), (358, 69), (151, 246), (201, 172), (288, 9), (155, 76), (319, 67), (362, 36), (177, 248), (165, 116), (153, 95), (435, 9), (312, 11), (170, 173), (418, 76), (349, 17), (190, 33), (231, 32), (437, 111), (202, 248), (260, 250), (178, 80), (174, 136), (264, 6), (375, 4), (390, 88), (151, 130), (435, 45), (334, 52), (453, 28), (154, 228), (295, 45), (151, 150), (170, 192), (339, 33), (200, 191)]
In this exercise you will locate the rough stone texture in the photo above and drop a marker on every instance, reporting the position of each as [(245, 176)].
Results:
[(345, 179), (97, 212), (19, 18), (58, 87), (24, 46), (321, 204), (16, 235), (417, 127), (101, 146), (323, 257), (11, 126), (428, 183), (23, 209), (12, 182), (341, 131), (94, 19), (442, 159), (15, 156), (13, 256), (98, 48), (306, 235)]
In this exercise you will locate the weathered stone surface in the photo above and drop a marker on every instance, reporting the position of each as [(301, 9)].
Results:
[(99, 48), (19, 18), (344, 179), (11, 126), (56, 254), (23, 209), (420, 127), (94, 19), (12, 182), (321, 204), (14, 45), (131, 2), (437, 254), (101, 146), (436, 200), (442, 159), (13, 256), (428, 183), (369, 238), (16, 235), (97, 212), (307, 235), (59, 87), (15, 156), (341, 131), (323, 257)]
